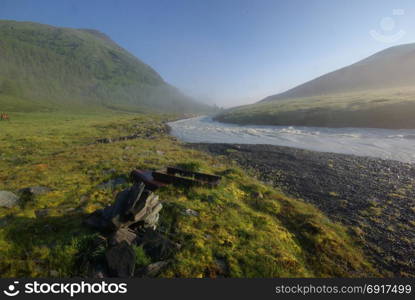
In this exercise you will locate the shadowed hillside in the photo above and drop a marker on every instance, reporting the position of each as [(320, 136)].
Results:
[(44, 67)]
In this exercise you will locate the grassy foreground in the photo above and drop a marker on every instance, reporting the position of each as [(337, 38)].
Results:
[(254, 228)]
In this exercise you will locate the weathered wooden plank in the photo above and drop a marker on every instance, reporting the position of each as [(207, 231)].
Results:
[(196, 175), (147, 178)]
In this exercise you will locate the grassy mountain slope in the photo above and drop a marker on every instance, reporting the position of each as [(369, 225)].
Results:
[(252, 229), (44, 67), (375, 92), (388, 69)]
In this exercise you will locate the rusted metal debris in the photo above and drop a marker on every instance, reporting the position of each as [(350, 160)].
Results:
[(147, 178), (175, 176)]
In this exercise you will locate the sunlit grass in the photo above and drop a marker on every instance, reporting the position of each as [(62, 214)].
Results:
[(256, 230), (392, 108)]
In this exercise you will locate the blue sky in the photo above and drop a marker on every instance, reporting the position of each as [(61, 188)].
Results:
[(232, 52)]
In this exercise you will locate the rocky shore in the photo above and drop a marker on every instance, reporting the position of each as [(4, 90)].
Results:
[(375, 198)]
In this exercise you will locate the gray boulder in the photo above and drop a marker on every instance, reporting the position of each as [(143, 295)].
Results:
[(8, 199), (120, 260)]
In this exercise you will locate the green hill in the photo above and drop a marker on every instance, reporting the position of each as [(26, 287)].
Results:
[(44, 67), (375, 92)]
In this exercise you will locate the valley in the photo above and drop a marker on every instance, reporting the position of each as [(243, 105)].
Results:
[(317, 181)]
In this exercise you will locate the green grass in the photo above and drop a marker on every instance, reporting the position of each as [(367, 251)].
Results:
[(391, 108), (269, 237), (141, 258), (47, 68)]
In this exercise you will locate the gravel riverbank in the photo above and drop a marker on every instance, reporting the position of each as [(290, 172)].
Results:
[(374, 197)]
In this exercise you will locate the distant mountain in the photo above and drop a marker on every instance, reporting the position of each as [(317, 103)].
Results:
[(390, 68), (44, 67), (378, 91)]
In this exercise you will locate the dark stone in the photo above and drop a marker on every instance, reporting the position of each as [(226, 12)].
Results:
[(35, 190), (156, 245), (99, 271), (128, 204), (28, 194), (116, 210), (97, 221), (41, 213), (134, 205), (120, 260), (222, 266)]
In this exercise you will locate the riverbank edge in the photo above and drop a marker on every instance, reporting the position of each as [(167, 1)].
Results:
[(368, 199)]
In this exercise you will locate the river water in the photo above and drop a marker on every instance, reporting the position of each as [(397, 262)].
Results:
[(383, 143)]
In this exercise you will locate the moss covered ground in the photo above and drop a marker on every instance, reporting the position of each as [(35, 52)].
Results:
[(243, 225)]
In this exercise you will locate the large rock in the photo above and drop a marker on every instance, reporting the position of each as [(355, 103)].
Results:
[(156, 245), (97, 221), (8, 199), (120, 260), (28, 194), (134, 208), (111, 217)]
